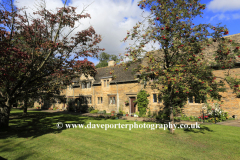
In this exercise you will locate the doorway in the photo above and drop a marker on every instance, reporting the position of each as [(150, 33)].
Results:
[(132, 105)]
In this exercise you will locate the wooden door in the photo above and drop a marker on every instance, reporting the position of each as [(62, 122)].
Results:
[(132, 104)]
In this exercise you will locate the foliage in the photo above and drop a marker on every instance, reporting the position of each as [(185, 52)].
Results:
[(70, 105), (102, 112), (35, 56), (234, 84), (84, 108), (149, 113), (113, 117), (186, 118), (104, 58), (90, 109), (112, 112), (180, 66), (94, 111), (121, 112), (215, 111), (163, 114), (142, 102)]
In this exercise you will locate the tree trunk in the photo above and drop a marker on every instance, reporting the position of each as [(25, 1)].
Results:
[(25, 106), (4, 115), (171, 120)]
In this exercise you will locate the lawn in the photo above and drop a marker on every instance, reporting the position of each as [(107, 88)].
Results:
[(37, 137)]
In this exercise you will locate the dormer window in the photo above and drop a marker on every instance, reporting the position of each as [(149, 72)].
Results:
[(76, 84), (86, 85), (106, 83)]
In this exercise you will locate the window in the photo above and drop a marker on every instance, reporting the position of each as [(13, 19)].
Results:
[(106, 83), (99, 100), (112, 100), (76, 84), (88, 84), (156, 98), (89, 100), (190, 99), (84, 85), (196, 99)]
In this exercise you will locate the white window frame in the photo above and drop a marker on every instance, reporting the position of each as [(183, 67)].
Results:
[(112, 99)]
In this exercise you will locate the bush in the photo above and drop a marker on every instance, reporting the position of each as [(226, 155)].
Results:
[(70, 105), (163, 114), (100, 112), (113, 117), (149, 113), (142, 102), (94, 111), (90, 109), (84, 108)]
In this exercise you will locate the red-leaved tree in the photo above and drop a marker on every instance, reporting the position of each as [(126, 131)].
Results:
[(35, 55)]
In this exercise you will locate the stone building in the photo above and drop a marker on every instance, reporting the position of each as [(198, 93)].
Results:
[(103, 92)]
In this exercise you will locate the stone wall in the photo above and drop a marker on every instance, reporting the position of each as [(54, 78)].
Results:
[(231, 103), (124, 91)]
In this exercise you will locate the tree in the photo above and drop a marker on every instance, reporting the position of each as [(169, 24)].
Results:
[(34, 55), (104, 58), (180, 67)]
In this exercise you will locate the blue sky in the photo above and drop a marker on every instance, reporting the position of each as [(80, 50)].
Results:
[(112, 18)]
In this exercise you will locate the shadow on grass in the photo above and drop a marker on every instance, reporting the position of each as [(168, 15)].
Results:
[(1, 158), (37, 124), (14, 148), (202, 129)]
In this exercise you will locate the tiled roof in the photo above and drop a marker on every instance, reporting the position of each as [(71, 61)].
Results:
[(121, 74), (128, 75)]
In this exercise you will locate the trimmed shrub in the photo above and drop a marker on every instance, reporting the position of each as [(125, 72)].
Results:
[(94, 111)]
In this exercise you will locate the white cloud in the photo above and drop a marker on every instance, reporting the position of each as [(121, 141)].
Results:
[(213, 17), (224, 5), (223, 16), (107, 18), (236, 16)]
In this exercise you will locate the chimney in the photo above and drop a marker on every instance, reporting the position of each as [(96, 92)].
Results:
[(111, 63)]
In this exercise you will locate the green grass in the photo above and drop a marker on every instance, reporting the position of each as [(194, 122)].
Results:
[(36, 137)]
